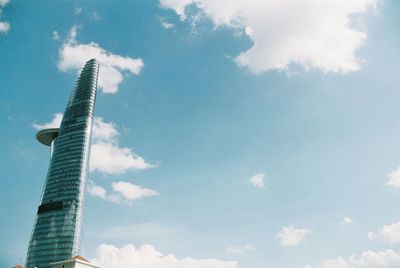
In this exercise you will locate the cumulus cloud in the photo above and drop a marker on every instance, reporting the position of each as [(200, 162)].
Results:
[(109, 158), (257, 180), (4, 25), (98, 191), (113, 67), (122, 192), (54, 123), (311, 33), (346, 221), (146, 256), (389, 233), (240, 249), (367, 259), (106, 155), (394, 178), (103, 131), (290, 236)]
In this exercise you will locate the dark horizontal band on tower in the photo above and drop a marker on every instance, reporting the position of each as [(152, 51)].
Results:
[(57, 205)]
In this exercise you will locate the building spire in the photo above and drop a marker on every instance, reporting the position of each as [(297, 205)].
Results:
[(57, 233)]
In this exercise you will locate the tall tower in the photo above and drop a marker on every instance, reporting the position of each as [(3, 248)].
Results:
[(58, 227)]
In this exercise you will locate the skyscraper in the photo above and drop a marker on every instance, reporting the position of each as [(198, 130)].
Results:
[(58, 227)]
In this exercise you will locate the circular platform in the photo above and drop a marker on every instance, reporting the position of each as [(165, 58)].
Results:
[(46, 136)]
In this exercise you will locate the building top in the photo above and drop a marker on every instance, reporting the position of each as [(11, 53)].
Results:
[(58, 228), (76, 261), (79, 257)]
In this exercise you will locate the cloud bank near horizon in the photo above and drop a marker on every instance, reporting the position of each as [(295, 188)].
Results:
[(146, 256)]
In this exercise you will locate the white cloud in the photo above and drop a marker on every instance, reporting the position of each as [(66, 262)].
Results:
[(289, 236), (165, 24), (335, 263), (394, 178), (123, 192), (346, 221), (131, 191), (146, 256), (78, 10), (72, 57), (389, 233), (4, 2), (56, 35), (109, 158), (98, 191), (103, 131), (240, 249), (311, 33), (367, 259), (4, 25), (54, 123), (106, 155), (257, 180), (95, 16)]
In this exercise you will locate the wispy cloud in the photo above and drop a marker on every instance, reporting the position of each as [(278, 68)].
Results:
[(95, 16), (394, 178), (258, 180), (72, 57), (240, 249), (346, 221), (165, 24), (4, 2), (290, 236), (122, 192), (4, 25), (78, 10), (56, 35)]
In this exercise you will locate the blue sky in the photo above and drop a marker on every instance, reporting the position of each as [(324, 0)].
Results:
[(251, 134)]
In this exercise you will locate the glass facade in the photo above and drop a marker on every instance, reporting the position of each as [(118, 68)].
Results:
[(57, 231)]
